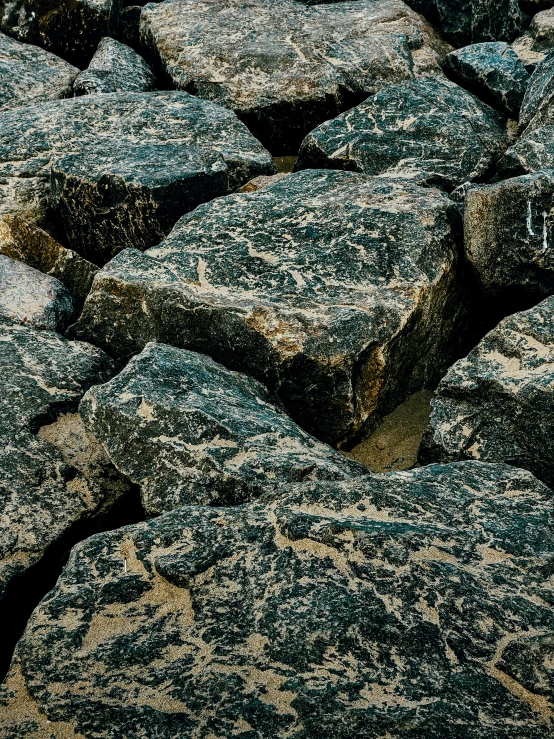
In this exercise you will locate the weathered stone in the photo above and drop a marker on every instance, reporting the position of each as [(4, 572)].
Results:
[(258, 183), (297, 66), (542, 28), (28, 243), (493, 71), (497, 404), (337, 290), (509, 236), (31, 297), (410, 605), (429, 131), (31, 75), (527, 50), (532, 152), (115, 68), (537, 109), (119, 169)]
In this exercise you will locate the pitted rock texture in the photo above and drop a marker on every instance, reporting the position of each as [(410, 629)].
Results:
[(31, 297), (337, 290), (41, 496), (429, 131), (407, 605), (532, 152), (189, 431), (28, 243), (497, 404), (538, 103), (115, 68), (120, 168), (29, 75), (492, 71), (297, 66), (509, 236)]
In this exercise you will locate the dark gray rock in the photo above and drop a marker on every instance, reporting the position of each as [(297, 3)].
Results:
[(414, 605), (509, 237), (534, 6), (493, 71), (119, 169), (115, 68), (339, 291), (129, 26), (297, 66), (537, 109), (428, 131), (189, 431), (532, 152), (497, 404)]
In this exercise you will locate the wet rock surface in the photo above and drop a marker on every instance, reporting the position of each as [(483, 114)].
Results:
[(115, 67)]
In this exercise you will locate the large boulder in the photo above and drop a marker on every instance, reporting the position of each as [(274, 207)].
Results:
[(410, 605), (297, 66), (428, 131), (339, 291), (115, 68), (497, 404), (119, 169)]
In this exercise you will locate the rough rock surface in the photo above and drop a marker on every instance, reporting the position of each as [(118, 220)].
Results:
[(529, 52), (115, 68), (258, 183), (509, 236), (29, 75), (31, 297), (297, 66), (120, 168), (537, 109), (28, 243), (338, 290), (532, 152), (497, 404), (493, 71), (429, 131), (542, 28), (416, 604)]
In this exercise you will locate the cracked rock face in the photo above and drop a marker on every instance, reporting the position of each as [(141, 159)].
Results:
[(429, 131), (409, 604), (536, 110), (115, 68), (297, 66), (189, 431), (532, 152), (339, 291), (497, 404), (121, 168)]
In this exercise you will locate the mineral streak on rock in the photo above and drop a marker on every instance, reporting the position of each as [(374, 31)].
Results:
[(115, 68), (410, 605), (339, 291), (297, 66)]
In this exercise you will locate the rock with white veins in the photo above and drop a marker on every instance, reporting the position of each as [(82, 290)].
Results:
[(497, 404), (296, 66), (339, 291), (410, 605), (115, 68)]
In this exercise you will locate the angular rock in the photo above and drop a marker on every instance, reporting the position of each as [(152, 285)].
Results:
[(413, 604), (542, 28), (537, 109), (339, 291), (119, 169), (28, 243), (527, 50), (497, 404), (509, 236), (29, 75), (31, 297), (492, 71), (190, 432), (115, 68), (532, 152), (297, 66), (428, 131)]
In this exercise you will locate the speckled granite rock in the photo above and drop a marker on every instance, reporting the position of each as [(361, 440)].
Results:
[(31, 297), (538, 103), (492, 71), (337, 290), (120, 168), (29, 75), (115, 68), (407, 605), (428, 131), (297, 66), (189, 431), (532, 152), (497, 404), (509, 236), (28, 243), (542, 28)]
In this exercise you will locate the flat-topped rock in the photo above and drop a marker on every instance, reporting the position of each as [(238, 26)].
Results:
[(297, 66), (119, 169), (497, 404), (115, 67), (337, 290), (414, 604), (429, 131)]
